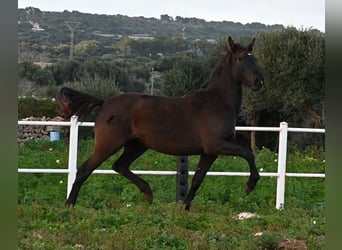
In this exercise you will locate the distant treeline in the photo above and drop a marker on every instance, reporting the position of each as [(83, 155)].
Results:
[(107, 28)]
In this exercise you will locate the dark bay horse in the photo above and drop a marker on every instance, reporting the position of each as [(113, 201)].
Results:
[(201, 122)]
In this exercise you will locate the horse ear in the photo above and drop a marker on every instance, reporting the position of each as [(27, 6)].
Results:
[(231, 44), (251, 45)]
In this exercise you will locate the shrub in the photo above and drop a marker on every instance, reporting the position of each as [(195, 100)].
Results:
[(96, 86), (43, 77), (36, 107)]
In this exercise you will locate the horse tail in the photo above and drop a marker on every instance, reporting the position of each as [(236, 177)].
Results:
[(72, 102)]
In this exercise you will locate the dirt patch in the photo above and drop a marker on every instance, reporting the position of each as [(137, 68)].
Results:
[(292, 244)]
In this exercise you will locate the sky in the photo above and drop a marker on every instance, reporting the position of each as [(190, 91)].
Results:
[(302, 14)]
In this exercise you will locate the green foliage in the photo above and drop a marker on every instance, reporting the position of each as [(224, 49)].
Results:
[(164, 46), (26, 70), (111, 213), (124, 75), (65, 70), (43, 77), (31, 72), (186, 73), (30, 106), (88, 48), (96, 86), (62, 50), (124, 46), (293, 65), (269, 241), (107, 28)]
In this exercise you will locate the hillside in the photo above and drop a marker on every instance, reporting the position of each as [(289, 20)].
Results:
[(110, 28)]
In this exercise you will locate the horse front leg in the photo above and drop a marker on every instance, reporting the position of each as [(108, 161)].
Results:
[(236, 150), (203, 166), (254, 175)]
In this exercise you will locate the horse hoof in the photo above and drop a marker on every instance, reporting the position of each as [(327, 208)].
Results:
[(148, 197), (247, 189), (70, 203)]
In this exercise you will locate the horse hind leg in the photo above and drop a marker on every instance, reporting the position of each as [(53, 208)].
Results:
[(132, 151), (203, 166)]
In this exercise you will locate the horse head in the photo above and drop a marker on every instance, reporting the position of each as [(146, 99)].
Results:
[(244, 65)]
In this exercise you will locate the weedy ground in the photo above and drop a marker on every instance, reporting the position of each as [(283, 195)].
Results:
[(111, 214)]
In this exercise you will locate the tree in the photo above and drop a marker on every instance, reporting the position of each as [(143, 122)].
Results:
[(293, 65), (28, 51), (124, 46), (186, 73), (65, 70), (88, 48), (26, 70), (43, 77), (166, 18), (62, 50)]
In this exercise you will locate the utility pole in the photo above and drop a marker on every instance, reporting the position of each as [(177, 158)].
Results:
[(152, 81), (72, 25)]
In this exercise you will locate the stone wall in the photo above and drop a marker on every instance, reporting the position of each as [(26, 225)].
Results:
[(37, 132)]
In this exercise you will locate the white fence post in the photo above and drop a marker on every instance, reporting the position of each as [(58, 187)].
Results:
[(73, 140), (282, 151)]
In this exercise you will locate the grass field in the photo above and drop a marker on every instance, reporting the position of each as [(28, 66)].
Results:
[(111, 214)]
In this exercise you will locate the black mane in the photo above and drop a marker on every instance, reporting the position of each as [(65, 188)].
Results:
[(215, 73)]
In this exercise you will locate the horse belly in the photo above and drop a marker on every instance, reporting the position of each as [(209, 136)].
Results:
[(176, 146), (167, 125), (170, 137)]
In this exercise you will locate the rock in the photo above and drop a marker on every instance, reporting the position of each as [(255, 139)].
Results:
[(244, 215)]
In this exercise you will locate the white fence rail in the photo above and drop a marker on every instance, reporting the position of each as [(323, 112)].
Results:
[(281, 174)]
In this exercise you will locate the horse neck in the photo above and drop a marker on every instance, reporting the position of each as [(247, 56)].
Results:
[(228, 90)]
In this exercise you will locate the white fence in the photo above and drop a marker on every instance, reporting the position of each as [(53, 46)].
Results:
[(283, 130)]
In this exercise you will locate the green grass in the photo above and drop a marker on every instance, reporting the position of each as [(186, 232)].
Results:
[(111, 214)]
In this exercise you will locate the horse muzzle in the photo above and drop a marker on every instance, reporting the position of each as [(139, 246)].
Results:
[(257, 84)]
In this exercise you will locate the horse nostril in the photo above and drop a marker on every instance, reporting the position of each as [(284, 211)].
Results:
[(257, 80)]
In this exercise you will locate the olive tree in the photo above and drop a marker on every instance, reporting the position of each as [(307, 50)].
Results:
[(293, 65)]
